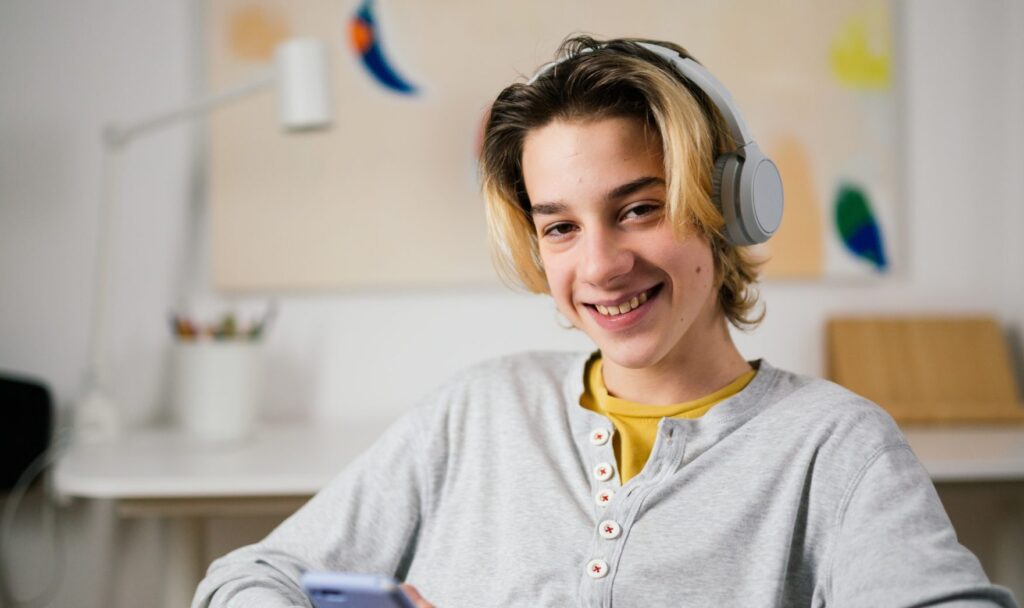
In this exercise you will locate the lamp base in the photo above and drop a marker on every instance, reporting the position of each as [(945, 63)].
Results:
[(97, 418)]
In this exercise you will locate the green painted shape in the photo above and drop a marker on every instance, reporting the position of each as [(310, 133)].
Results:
[(858, 226), (852, 210)]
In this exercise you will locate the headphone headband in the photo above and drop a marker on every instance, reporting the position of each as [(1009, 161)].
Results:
[(695, 73), (705, 81)]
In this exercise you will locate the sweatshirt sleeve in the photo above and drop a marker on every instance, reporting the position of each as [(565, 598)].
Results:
[(364, 520), (895, 545)]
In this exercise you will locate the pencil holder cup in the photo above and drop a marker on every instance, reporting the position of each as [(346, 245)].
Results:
[(216, 386)]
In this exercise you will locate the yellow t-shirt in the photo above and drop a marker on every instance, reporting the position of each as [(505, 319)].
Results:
[(636, 424)]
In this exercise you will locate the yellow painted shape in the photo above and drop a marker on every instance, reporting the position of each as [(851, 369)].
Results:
[(860, 52)]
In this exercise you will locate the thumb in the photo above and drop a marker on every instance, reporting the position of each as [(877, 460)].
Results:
[(414, 595)]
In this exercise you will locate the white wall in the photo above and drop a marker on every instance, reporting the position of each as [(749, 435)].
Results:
[(65, 68)]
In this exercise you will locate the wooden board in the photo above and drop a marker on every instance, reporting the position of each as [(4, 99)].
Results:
[(926, 369)]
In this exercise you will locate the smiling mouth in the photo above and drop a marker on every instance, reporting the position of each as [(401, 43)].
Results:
[(627, 305)]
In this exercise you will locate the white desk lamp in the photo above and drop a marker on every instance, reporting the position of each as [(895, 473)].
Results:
[(300, 75)]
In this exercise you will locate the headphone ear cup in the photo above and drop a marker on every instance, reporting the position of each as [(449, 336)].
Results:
[(725, 192), (759, 198), (716, 181)]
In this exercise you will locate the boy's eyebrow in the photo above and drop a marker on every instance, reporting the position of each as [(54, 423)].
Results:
[(630, 187), (547, 208), (554, 208)]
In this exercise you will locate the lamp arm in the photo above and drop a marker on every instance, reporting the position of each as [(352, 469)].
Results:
[(117, 135)]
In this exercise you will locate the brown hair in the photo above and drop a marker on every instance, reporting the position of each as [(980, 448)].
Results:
[(615, 78)]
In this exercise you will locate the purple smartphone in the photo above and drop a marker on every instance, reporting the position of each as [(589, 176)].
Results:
[(348, 590)]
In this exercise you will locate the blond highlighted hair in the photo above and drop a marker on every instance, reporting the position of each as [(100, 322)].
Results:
[(614, 79)]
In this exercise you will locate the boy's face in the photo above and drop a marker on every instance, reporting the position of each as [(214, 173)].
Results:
[(614, 267)]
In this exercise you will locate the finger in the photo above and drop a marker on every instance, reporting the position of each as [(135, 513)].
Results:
[(415, 596)]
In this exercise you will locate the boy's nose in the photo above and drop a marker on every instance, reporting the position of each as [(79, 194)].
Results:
[(605, 258)]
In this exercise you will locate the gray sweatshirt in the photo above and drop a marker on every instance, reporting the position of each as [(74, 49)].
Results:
[(501, 490)]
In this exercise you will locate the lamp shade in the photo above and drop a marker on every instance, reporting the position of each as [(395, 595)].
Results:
[(304, 92)]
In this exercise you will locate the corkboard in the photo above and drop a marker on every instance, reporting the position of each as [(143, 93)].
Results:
[(390, 195)]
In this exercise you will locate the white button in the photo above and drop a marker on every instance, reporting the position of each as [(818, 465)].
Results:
[(604, 497), (599, 436), (609, 529), (597, 568), (603, 471)]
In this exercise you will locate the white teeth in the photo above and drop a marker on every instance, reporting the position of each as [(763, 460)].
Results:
[(612, 311)]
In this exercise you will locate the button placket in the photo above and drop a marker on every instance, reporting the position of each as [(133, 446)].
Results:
[(600, 437), (603, 472)]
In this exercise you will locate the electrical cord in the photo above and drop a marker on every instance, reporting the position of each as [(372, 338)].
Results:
[(51, 526)]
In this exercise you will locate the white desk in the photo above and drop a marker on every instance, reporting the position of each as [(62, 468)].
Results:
[(163, 473)]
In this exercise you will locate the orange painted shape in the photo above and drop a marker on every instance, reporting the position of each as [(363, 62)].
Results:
[(255, 32), (797, 250), (361, 36)]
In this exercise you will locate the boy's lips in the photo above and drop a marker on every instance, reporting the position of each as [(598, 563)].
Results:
[(628, 300), (623, 311)]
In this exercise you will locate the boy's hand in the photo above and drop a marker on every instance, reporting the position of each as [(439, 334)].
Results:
[(415, 596)]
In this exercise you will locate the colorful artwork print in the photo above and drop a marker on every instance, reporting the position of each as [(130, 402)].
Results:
[(365, 37), (833, 144)]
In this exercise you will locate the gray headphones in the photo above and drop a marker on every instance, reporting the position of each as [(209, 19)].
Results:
[(746, 184)]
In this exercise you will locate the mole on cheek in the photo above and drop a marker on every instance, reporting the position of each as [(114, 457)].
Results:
[(698, 270)]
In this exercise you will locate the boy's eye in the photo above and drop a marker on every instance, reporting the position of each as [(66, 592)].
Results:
[(641, 210), (558, 230)]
